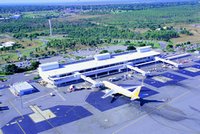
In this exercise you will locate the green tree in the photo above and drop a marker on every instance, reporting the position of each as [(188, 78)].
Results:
[(118, 51), (104, 51), (131, 48), (10, 69), (34, 65)]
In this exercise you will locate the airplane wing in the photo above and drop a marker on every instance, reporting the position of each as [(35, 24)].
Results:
[(132, 87), (111, 92)]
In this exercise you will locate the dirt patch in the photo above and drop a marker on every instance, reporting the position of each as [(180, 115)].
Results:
[(193, 28)]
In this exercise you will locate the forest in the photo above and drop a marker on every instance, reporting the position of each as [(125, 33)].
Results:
[(94, 25)]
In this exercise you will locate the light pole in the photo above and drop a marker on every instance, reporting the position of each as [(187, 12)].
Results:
[(21, 100)]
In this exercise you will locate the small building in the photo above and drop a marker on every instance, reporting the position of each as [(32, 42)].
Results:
[(143, 49), (2, 18), (16, 16), (49, 66), (102, 56), (197, 52), (22, 88), (7, 44)]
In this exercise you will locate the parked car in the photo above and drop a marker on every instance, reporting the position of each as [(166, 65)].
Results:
[(114, 79)]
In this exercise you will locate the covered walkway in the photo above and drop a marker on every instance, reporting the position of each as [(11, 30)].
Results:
[(168, 62), (138, 70)]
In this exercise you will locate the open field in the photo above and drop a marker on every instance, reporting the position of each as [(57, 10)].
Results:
[(77, 30), (13, 55), (193, 28), (153, 17), (78, 17), (41, 14)]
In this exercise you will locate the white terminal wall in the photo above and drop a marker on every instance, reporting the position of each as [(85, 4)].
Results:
[(93, 63), (53, 70), (102, 56), (49, 66), (143, 49)]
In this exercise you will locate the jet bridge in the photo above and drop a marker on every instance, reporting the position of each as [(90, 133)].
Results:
[(117, 89), (168, 62), (138, 70), (88, 79)]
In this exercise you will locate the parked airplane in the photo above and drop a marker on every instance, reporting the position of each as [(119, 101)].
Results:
[(114, 89)]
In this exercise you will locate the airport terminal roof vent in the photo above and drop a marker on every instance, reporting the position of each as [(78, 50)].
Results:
[(102, 56), (49, 66), (143, 49)]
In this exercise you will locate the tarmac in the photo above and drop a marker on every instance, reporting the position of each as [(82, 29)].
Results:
[(170, 105)]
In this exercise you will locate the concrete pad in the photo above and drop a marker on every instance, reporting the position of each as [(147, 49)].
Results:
[(109, 103), (192, 69), (161, 79), (64, 115), (39, 115), (50, 86)]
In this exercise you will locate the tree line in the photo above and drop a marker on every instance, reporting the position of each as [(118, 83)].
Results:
[(12, 68), (94, 7)]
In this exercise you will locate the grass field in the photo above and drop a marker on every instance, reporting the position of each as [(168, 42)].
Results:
[(41, 14), (185, 16), (158, 16), (193, 28), (12, 55), (78, 17)]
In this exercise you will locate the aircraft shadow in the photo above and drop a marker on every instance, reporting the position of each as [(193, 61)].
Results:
[(115, 97), (144, 101), (128, 85), (141, 100), (194, 109)]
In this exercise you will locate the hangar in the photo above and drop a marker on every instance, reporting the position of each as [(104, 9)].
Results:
[(22, 88)]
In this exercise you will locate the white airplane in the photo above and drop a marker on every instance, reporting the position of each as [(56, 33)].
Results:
[(114, 89)]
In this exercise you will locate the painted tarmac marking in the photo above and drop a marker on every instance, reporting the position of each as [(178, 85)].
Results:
[(12, 123), (166, 125), (145, 115), (59, 94), (21, 127), (36, 116), (1, 131), (37, 98), (47, 120), (16, 109)]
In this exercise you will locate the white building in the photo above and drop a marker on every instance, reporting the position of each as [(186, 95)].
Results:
[(22, 88), (16, 16), (100, 65), (7, 44)]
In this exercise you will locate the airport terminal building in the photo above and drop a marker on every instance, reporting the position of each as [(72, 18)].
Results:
[(98, 66)]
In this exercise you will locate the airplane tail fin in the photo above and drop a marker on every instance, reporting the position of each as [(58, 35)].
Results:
[(135, 93)]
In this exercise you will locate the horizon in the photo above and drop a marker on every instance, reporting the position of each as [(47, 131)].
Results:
[(44, 2)]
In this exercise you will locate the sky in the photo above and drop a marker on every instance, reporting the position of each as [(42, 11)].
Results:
[(72, 1), (43, 1)]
